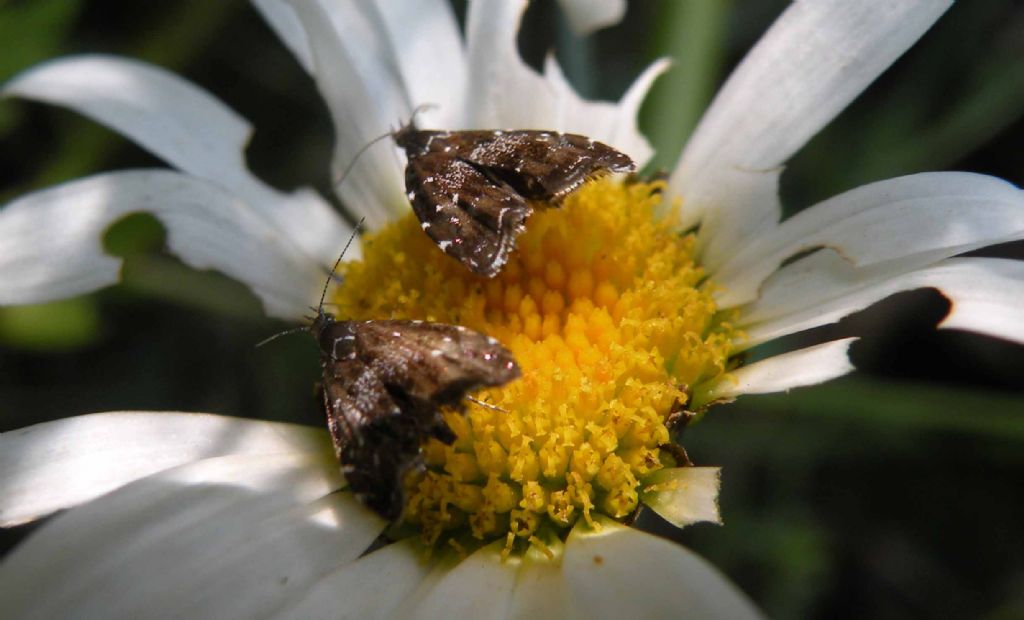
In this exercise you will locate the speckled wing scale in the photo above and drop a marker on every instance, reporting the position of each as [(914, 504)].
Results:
[(384, 383), (472, 190)]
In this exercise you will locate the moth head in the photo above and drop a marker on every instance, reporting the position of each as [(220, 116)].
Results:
[(320, 322), (404, 136)]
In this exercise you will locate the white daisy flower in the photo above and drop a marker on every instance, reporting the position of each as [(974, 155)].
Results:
[(617, 319)]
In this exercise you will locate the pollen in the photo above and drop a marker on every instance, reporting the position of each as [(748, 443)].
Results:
[(613, 324)]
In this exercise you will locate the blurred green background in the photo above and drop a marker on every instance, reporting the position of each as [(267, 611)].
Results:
[(893, 493)]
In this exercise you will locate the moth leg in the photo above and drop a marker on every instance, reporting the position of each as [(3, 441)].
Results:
[(485, 405), (678, 453)]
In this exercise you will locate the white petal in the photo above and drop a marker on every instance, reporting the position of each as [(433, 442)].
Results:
[(813, 61), (356, 75), (176, 121), (502, 91), (811, 283), (443, 563), (815, 290), (786, 371), (186, 127), (612, 123), (684, 495), (730, 225), (428, 48), (53, 247), (620, 572), (626, 132), (59, 464), (586, 16), (987, 296), (314, 227), (374, 586), (823, 288), (540, 590), (232, 537), (478, 587), (280, 16), (930, 215)]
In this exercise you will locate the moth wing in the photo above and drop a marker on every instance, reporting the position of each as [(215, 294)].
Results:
[(370, 435), (470, 216), (353, 397), (542, 165), (435, 362)]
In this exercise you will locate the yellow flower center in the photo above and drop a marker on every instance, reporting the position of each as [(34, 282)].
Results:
[(601, 307)]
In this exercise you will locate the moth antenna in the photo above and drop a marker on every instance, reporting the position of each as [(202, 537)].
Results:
[(323, 295), (344, 174), (477, 401), (279, 334)]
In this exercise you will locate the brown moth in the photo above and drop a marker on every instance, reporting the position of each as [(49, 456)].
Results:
[(471, 190), (384, 384)]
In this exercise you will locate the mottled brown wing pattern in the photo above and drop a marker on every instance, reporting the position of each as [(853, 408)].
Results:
[(471, 218), (375, 444), (384, 385), (541, 165), (471, 189), (433, 361)]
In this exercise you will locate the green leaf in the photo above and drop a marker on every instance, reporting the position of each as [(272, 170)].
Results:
[(691, 33), (902, 405), (56, 326)]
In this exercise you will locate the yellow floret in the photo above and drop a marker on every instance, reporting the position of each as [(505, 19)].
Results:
[(612, 324)]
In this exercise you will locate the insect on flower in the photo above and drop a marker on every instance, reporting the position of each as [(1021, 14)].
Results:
[(384, 384), (472, 190)]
